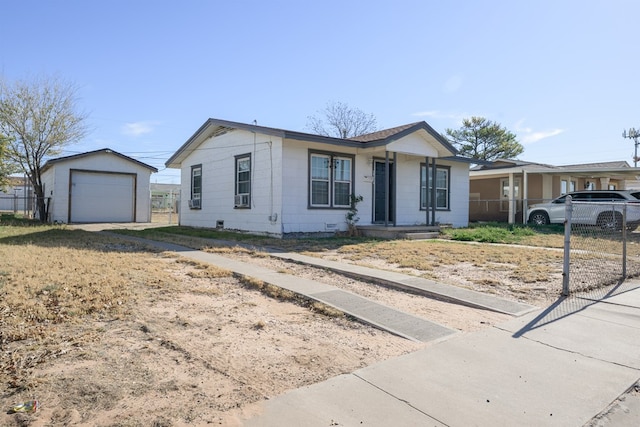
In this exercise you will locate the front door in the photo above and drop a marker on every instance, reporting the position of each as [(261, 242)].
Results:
[(379, 191)]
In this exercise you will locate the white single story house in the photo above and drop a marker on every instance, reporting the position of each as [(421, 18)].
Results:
[(278, 182), (97, 186)]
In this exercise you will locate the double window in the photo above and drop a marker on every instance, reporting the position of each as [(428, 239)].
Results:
[(441, 185), (330, 180), (243, 181), (196, 187)]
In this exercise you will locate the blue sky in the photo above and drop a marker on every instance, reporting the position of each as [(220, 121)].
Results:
[(562, 75)]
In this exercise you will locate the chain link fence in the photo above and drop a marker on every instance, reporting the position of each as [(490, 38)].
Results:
[(17, 205), (601, 246), (495, 210), (165, 208)]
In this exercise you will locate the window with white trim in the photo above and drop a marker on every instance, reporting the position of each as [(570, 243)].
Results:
[(506, 198), (442, 187), (196, 187), (243, 181), (330, 180)]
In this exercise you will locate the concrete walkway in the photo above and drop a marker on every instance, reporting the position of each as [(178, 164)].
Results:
[(383, 317), (415, 284)]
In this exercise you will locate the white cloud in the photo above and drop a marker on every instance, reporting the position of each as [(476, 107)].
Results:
[(139, 128), (529, 136), (537, 136), (519, 128)]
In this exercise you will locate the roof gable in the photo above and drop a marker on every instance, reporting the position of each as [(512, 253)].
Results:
[(387, 136), (383, 134), (52, 162)]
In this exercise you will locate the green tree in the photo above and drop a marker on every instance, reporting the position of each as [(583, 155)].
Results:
[(39, 117), (341, 121), (483, 139)]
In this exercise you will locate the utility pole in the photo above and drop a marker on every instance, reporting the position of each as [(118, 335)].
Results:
[(634, 134)]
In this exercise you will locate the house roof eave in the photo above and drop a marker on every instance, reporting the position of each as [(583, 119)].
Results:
[(557, 170), (468, 160), (210, 126), (309, 137), (208, 129)]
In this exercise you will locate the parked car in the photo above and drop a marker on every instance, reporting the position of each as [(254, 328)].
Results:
[(594, 207)]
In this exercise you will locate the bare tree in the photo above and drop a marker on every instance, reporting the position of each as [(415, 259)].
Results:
[(6, 167), (341, 121), (39, 117)]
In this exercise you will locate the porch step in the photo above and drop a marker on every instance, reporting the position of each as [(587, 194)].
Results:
[(400, 232), (422, 236)]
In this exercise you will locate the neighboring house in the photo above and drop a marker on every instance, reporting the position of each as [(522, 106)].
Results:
[(499, 191), (17, 195), (97, 186), (164, 197), (277, 182)]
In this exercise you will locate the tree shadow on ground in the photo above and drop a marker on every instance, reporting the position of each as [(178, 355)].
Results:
[(58, 237)]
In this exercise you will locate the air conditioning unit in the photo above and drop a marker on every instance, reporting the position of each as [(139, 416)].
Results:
[(194, 203), (241, 200)]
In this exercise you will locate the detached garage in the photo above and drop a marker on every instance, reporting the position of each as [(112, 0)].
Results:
[(98, 186)]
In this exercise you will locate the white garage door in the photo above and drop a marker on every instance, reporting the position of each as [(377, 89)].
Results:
[(101, 197)]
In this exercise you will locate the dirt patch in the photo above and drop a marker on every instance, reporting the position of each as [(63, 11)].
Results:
[(197, 355), (528, 275)]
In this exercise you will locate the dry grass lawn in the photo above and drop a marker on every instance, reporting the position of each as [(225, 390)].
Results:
[(110, 333), (524, 264)]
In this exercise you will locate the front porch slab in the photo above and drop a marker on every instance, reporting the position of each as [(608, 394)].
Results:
[(400, 232)]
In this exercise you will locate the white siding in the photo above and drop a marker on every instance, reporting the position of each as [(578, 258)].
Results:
[(458, 215), (414, 145), (298, 217), (217, 157)]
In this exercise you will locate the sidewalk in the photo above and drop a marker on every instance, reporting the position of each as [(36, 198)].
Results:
[(556, 367)]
